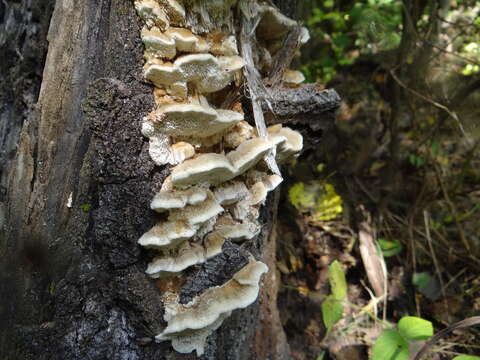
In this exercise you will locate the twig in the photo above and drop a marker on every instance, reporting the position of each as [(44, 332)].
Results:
[(250, 20), (434, 103), (455, 277), (284, 56), (466, 164), (472, 321), (435, 262), (453, 209), (453, 252), (365, 190), (460, 33), (412, 244), (451, 53), (442, 19)]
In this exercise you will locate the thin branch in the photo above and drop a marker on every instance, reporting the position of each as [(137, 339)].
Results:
[(434, 103), (451, 52), (284, 56), (435, 262), (453, 209), (250, 20), (472, 321), (442, 19)]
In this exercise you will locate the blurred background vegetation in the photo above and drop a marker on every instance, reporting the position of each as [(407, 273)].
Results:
[(395, 198)]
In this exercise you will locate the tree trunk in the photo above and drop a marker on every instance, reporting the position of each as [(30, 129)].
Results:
[(77, 181)]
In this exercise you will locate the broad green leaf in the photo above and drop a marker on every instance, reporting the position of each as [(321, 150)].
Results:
[(338, 282), (332, 311), (466, 357), (390, 247), (415, 328), (390, 345)]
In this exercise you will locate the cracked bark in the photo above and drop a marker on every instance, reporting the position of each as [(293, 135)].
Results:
[(72, 278)]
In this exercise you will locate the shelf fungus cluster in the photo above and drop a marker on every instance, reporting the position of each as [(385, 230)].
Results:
[(218, 180)]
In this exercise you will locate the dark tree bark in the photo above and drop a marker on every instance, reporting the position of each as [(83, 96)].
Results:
[(76, 272), (77, 181)]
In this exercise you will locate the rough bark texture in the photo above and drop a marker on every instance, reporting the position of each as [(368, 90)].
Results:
[(73, 283), (309, 110), (23, 46), (76, 183)]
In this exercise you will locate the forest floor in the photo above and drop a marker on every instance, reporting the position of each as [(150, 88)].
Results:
[(425, 244), (305, 252)]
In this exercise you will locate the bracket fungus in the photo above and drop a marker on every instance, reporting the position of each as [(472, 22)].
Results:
[(215, 168), (174, 11), (186, 255), (160, 13), (230, 193), (157, 44), (212, 197), (151, 13), (205, 71), (191, 253), (198, 213), (292, 145), (210, 308), (228, 228), (186, 41), (168, 234), (192, 120), (293, 77), (165, 200)]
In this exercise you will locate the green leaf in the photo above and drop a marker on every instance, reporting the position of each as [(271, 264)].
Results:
[(427, 285), (390, 345), (332, 311), (338, 282), (416, 161), (421, 280), (415, 328), (301, 196), (390, 247), (321, 356), (328, 3), (466, 357), (86, 207)]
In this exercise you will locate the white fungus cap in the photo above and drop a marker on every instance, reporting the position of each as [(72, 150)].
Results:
[(198, 213), (151, 13), (167, 234), (165, 200), (192, 120), (158, 44), (207, 311), (293, 77), (217, 168), (207, 72), (292, 144)]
